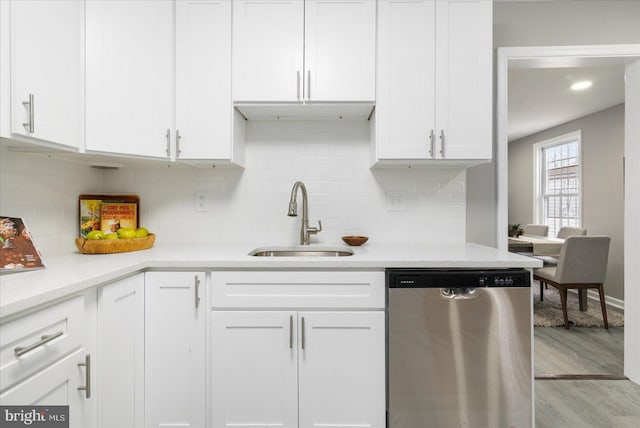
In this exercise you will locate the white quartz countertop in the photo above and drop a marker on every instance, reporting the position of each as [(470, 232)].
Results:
[(73, 272)]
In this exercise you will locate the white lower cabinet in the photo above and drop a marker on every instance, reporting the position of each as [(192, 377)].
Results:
[(254, 369), (341, 369), (46, 359), (298, 367), (151, 340), (120, 380), (175, 352), (57, 385)]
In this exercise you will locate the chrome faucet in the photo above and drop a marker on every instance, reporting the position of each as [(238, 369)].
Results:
[(305, 230)]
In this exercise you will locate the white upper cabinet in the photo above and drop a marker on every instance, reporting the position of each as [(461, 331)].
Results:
[(434, 96), (339, 54), (46, 72), (268, 43), (129, 77), (464, 79), (159, 80), (311, 50), (203, 80)]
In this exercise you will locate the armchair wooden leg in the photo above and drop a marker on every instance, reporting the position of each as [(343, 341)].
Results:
[(563, 300), (541, 291), (603, 306)]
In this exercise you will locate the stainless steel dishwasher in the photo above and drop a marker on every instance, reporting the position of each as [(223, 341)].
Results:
[(459, 348)]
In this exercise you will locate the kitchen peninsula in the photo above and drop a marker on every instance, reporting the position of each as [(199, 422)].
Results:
[(128, 336), (75, 272)]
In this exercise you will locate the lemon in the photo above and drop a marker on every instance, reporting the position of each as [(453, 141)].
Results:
[(111, 236), (126, 233), (95, 234), (141, 232)]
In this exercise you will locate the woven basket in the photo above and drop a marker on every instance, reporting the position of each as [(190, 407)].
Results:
[(110, 246)]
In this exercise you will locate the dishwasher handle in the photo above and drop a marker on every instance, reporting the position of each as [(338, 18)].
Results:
[(459, 293)]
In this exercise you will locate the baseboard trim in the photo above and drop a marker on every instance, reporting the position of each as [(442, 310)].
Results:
[(579, 377)]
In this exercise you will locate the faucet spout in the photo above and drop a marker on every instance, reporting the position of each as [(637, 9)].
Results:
[(305, 230)]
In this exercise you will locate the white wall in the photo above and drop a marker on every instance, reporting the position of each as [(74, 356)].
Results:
[(45, 193), (560, 23), (602, 182), (250, 205)]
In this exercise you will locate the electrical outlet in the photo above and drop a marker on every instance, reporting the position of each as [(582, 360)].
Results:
[(202, 202), (396, 201)]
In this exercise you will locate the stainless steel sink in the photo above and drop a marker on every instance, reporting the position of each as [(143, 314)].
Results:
[(301, 251)]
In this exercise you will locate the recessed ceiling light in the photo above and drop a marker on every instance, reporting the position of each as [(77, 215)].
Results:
[(579, 86)]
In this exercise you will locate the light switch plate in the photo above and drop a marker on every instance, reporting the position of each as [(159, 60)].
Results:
[(202, 202)]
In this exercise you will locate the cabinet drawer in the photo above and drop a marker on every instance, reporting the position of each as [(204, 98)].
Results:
[(30, 343), (317, 289)]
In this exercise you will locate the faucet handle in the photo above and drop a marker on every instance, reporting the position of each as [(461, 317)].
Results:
[(314, 230)]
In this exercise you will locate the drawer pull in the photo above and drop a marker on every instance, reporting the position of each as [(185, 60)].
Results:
[(291, 332), (87, 376), (21, 350), (303, 333)]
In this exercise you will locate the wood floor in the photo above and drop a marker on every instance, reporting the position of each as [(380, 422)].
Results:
[(579, 350), (583, 403)]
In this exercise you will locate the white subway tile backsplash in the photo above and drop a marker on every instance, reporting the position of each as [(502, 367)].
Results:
[(250, 205)]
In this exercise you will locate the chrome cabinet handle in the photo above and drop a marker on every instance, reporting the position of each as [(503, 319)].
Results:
[(298, 84), (29, 104), (442, 142), (168, 137), (302, 333), (309, 84), (197, 291), (291, 332), (432, 142), (87, 376), (21, 350), (178, 137)]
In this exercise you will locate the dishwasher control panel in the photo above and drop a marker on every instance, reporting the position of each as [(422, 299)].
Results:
[(455, 278)]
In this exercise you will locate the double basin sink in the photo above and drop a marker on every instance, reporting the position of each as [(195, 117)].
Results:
[(301, 251)]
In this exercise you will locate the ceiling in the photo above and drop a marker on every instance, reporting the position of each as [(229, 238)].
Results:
[(540, 97)]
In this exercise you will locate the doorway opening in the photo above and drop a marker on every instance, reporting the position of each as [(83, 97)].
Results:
[(550, 57)]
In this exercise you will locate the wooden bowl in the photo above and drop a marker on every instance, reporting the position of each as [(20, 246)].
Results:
[(110, 246), (355, 241)]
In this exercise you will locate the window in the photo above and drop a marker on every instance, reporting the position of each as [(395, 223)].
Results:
[(558, 182)]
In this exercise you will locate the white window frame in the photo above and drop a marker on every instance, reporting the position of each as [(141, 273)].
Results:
[(538, 204)]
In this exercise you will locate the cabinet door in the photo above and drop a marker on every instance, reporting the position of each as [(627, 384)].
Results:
[(340, 40), (203, 79), (129, 77), (57, 385), (254, 369), (464, 79), (268, 50), (405, 99), (342, 372), (121, 353), (175, 349), (46, 52)]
